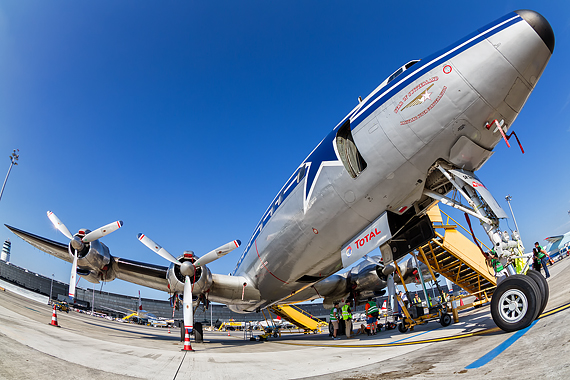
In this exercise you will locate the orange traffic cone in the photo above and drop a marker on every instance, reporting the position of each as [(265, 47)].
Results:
[(187, 346), (384, 308), (461, 302), (228, 333), (54, 318)]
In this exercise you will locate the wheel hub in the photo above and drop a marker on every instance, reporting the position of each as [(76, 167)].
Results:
[(513, 305)]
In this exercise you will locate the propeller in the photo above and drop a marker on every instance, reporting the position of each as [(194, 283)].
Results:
[(188, 269), (78, 243)]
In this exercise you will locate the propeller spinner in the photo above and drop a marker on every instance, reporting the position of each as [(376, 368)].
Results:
[(188, 268), (78, 243)]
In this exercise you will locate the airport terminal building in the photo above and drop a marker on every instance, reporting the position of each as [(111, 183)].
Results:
[(117, 305)]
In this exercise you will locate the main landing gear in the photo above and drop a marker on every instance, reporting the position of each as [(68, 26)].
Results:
[(519, 300)]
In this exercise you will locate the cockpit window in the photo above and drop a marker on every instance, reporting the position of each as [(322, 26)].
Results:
[(393, 76), (401, 70), (348, 152)]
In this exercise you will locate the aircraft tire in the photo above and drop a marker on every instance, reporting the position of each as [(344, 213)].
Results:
[(542, 286), (445, 320), (402, 327), (181, 325), (198, 333), (515, 303)]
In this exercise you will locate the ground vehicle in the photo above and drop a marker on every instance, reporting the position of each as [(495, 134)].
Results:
[(61, 306)]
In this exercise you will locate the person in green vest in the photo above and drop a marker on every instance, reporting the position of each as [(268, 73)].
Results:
[(542, 257), (335, 316), (347, 318), (371, 315), (493, 262)]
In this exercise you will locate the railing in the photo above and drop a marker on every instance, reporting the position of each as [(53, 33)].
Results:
[(469, 232)]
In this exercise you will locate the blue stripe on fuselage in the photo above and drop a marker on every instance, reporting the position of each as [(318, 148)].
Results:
[(418, 70), (326, 149)]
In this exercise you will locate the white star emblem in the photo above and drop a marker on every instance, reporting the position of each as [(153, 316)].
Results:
[(425, 96)]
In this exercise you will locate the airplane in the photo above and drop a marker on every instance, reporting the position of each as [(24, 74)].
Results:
[(421, 134), (558, 245)]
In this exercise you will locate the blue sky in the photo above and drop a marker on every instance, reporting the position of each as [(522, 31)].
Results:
[(184, 119)]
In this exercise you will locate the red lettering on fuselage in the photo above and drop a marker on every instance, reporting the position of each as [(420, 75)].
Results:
[(360, 242)]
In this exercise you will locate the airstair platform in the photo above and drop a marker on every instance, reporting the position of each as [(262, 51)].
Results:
[(298, 317), (456, 257)]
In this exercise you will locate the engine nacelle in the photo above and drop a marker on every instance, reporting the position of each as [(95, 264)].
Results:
[(201, 280), (367, 280), (93, 260)]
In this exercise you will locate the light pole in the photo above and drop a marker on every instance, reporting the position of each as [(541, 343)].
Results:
[(508, 198), (50, 289), (13, 161)]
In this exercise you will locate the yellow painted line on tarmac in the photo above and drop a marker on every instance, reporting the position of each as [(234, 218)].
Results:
[(454, 337)]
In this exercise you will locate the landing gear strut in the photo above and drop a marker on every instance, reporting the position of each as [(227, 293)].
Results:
[(519, 299)]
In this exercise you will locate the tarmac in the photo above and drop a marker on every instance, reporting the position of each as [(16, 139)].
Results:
[(90, 347)]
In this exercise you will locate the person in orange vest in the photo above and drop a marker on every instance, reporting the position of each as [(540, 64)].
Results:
[(372, 316)]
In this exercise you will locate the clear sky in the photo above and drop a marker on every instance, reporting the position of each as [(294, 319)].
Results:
[(184, 119)]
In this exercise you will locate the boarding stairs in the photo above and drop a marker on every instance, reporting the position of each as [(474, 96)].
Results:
[(456, 257), (298, 317)]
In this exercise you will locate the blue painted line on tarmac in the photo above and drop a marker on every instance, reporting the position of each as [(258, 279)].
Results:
[(499, 349)]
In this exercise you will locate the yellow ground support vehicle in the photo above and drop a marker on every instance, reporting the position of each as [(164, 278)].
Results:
[(61, 306)]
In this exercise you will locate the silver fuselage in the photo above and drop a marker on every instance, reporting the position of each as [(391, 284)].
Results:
[(435, 110)]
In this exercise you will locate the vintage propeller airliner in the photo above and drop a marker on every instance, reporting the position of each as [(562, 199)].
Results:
[(420, 134)]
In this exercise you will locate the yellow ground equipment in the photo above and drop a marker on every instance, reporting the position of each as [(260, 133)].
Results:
[(457, 258), (299, 317), (61, 306)]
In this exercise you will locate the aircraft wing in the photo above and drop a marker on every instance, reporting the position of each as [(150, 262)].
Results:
[(554, 239), (150, 275), (52, 247)]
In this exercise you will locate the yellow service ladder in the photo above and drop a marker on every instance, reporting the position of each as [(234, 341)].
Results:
[(298, 317), (457, 258)]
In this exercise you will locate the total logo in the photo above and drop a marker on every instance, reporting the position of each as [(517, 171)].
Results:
[(348, 251)]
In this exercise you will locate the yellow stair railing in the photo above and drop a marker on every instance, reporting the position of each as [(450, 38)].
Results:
[(298, 317), (456, 257)]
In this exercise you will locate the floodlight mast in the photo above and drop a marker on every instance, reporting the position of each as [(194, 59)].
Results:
[(508, 198), (13, 161)]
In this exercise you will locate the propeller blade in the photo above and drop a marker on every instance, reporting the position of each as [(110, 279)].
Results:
[(59, 225), (217, 253), (72, 280), (157, 248), (188, 311), (103, 231)]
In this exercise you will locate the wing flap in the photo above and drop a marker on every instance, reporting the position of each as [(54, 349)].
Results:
[(149, 275)]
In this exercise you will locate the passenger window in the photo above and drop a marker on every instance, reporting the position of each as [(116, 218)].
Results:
[(349, 154)]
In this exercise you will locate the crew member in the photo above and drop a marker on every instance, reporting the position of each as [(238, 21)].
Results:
[(542, 257), (335, 316), (493, 261), (372, 315), (347, 317)]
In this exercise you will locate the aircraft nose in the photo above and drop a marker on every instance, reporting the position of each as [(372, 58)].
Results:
[(540, 26)]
